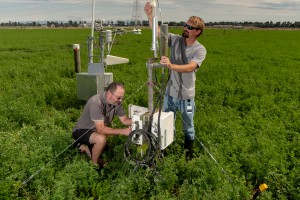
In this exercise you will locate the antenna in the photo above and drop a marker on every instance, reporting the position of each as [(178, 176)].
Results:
[(136, 13), (91, 47)]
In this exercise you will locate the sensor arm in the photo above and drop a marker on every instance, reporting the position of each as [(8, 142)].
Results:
[(150, 10)]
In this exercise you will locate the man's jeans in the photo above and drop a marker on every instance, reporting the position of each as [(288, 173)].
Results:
[(187, 108)]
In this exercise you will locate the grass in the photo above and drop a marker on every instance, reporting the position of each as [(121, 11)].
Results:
[(247, 98)]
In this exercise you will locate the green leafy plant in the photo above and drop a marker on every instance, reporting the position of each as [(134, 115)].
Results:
[(247, 116)]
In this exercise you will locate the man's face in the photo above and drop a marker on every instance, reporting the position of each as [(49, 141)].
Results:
[(116, 97), (189, 30)]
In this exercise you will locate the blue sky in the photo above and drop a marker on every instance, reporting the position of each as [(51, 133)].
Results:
[(171, 10)]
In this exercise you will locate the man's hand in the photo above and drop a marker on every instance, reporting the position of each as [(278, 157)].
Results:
[(148, 9), (126, 131), (164, 60)]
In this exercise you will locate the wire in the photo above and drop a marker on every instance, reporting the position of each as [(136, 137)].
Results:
[(210, 154), (74, 142), (109, 49), (141, 137), (212, 157), (150, 151), (160, 12), (144, 136)]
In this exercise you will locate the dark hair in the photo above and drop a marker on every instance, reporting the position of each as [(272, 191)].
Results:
[(113, 86)]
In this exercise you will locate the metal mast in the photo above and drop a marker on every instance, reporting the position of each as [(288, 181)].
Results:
[(91, 47), (136, 13)]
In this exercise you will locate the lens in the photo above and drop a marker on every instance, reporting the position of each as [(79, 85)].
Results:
[(188, 26)]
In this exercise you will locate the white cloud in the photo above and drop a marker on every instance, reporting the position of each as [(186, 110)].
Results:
[(172, 10)]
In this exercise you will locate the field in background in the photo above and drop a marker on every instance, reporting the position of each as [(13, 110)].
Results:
[(247, 99)]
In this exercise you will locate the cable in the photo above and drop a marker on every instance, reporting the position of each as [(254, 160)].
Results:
[(212, 157), (160, 12), (109, 49), (147, 138), (144, 154), (143, 140), (74, 142)]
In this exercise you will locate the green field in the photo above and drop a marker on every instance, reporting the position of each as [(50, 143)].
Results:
[(247, 117)]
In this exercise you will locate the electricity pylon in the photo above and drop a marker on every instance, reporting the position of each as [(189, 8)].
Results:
[(136, 13)]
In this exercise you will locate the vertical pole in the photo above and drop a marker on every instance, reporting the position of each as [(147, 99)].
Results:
[(89, 43), (154, 46), (150, 86), (101, 44), (164, 40), (154, 36), (92, 34), (76, 48)]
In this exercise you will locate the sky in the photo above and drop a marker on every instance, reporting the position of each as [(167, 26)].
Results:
[(169, 10)]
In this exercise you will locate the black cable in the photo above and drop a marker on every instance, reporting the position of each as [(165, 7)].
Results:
[(150, 152), (147, 136)]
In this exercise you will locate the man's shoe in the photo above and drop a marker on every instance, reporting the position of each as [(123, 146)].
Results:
[(101, 163), (188, 146)]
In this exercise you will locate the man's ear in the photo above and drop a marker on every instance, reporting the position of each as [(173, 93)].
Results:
[(198, 33)]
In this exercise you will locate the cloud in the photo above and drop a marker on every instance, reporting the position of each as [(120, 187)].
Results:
[(284, 5), (172, 10)]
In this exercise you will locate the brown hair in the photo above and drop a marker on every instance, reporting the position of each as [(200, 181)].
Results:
[(198, 23), (113, 86)]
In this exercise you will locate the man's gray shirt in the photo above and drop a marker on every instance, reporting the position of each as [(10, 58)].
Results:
[(97, 109), (182, 85)]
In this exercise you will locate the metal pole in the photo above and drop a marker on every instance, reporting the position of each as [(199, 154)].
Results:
[(154, 46), (150, 65), (101, 44), (92, 34), (164, 40), (150, 85)]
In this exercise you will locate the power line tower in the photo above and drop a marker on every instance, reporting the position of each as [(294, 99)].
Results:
[(136, 13)]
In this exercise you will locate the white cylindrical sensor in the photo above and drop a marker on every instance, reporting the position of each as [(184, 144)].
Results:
[(108, 36), (154, 36)]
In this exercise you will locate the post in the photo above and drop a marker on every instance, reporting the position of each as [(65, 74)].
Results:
[(150, 65), (150, 85), (76, 48), (91, 50), (101, 44), (164, 40)]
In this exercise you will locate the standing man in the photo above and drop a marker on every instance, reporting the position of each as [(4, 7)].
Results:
[(92, 128), (186, 56)]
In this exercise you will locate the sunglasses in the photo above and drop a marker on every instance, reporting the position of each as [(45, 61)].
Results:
[(190, 27)]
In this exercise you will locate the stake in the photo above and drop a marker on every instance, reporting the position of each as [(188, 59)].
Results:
[(76, 48)]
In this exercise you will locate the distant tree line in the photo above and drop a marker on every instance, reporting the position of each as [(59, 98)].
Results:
[(70, 23), (268, 24)]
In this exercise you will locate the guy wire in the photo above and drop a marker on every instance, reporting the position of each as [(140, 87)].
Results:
[(160, 12), (43, 167), (210, 154), (154, 142), (212, 157)]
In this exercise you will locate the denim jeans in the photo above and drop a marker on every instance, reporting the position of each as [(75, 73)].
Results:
[(187, 108)]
